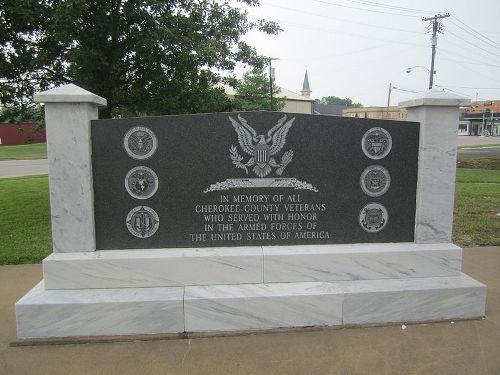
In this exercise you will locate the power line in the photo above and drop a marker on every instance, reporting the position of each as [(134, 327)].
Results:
[(494, 45), (363, 9), (342, 20), (474, 88), (458, 92), (475, 53), (364, 36), (469, 60), (472, 44), (389, 6), (477, 32)]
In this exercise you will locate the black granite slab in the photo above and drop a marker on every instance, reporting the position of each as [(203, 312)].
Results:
[(197, 154)]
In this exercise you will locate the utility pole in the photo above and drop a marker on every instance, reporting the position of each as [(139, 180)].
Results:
[(436, 28), (271, 77), (388, 101)]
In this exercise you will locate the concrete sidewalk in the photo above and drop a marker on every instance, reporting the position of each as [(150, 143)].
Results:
[(17, 168), (465, 347)]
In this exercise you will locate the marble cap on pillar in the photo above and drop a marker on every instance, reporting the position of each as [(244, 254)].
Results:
[(69, 93), (436, 98)]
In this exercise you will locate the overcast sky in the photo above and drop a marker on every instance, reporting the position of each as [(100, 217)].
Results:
[(355, 48)]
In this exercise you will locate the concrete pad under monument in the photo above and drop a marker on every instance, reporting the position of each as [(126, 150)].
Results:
[(244, 221)]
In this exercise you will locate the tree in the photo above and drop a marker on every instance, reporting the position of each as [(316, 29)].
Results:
[(253, 94), (339, 101), (146, 57)]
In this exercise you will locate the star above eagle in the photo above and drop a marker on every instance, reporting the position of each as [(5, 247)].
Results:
[(261, 148)]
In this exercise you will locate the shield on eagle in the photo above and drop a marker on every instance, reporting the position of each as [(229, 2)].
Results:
[(261, 154)]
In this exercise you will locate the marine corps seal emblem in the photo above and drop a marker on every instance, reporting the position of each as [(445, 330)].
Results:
[(373, 217), (375, 180), (376, 143), (140, 143), (141, 182), (142, 221)]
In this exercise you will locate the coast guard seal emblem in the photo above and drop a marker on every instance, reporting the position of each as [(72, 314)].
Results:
[(376, 143), (373, 217), (140, 143), (375, 180), (142, 221), (141, 182)]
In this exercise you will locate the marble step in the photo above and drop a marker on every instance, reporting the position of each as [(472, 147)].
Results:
[(95, 312), (249, 265)]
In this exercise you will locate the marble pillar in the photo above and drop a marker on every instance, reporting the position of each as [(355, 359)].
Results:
[(68, 112), (437, 112)]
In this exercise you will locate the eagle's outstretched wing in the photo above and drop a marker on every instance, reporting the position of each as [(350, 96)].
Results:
[(278, 133), (245, 134)]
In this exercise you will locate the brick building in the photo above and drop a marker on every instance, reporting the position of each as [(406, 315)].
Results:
[(20, 134)]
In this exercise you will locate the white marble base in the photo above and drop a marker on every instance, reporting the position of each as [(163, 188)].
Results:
[(249, 265), (151, 268), (360, 262), (407, 300), (262, 306), (90, 312)]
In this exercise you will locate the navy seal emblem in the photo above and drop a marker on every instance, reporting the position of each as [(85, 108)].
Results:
[(141, 182), (375, 180), (142, 221), (373, 217), (140, 143), (376, 143)]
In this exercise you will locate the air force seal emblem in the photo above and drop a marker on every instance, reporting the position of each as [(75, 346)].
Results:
[(373, 217), (261, 148), (142, 221), (376, 143), (140, 143)]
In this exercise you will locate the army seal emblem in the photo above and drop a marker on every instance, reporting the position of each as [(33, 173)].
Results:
[(141, 182), (261, 148), (142, 221), (373, 217), (376, 143), (375, 180), (140, 143)]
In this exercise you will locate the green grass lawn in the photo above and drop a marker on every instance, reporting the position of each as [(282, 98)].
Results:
[(477, 201), (33, 151), (25, 220)]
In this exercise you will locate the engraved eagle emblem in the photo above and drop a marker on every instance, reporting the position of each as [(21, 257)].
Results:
[(261, 148)]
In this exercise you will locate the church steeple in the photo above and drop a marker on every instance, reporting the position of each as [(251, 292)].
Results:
[(306, 90)]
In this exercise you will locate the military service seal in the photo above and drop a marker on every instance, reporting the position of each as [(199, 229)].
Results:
[(142, 221), (140, 143), (141, 182), (376, 143), (375, 180), (373, 217)]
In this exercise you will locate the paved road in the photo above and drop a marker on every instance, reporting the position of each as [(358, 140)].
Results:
[(15, 168), (484, 152), (466, 140)]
